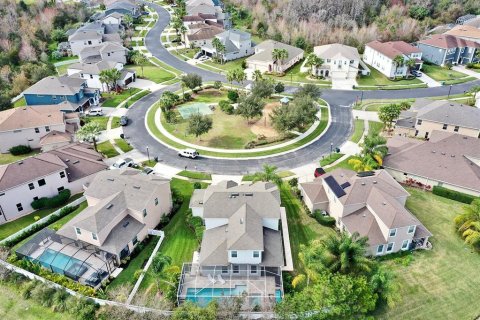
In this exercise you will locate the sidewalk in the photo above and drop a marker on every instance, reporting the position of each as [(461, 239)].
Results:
[(429, 81), (469, 72)]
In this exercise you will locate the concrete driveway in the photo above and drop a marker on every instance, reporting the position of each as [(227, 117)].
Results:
[(429, 81)]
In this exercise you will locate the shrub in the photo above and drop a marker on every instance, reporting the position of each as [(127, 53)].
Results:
[(226, 107), (217, 84), (293, 182), (19, 150), (232, 95), (187, 96), (279, 87), (197, 185), (137, 274), (453, 195), (56, 201), (196, 224), (244, 64), (323, 220)]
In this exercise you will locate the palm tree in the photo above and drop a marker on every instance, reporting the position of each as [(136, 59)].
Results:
[(410, 63), (468, 224), (89, 132), (127, 20), (218, 46), (183, 30), (374, 146), (139, 59), (313, 61), (269, 174), (279, 55), (230, 76), (345, 254), (160, 261), (308, 257), (114, 75), (257, 75), (104, 79), (398, 60)]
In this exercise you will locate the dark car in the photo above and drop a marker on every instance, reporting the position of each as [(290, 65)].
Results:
[(318, 172), (147, 170), (123, 121)]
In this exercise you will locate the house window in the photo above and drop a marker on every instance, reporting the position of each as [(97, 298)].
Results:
[(390, 247), (253, 269), (456, 128), (41, 182), (236, 269), (419, 121), (19, 207), (91, 76), (144, 213), (256, 254), (224, 269), (77, 230), (135, 240), (60, 188), (411, 229), (392, 233), (156, 201), (62, 174), (47, 128), (405, 244), (380, 249), (445, 126), (94, 236), (31, 186), (234, 254), (37, 130)]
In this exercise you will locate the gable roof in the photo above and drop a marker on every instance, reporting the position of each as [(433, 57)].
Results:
[(30, 117), (447, 157), (57, 86), (85, 35), (392, 49), (335, 51), (264, 51), (465, 31), (447, 41), (208, 32), (93, 68)]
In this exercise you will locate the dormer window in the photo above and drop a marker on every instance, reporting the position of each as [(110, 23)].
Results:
[(77, 231), (411, 229), (94, 236), (392, 233)]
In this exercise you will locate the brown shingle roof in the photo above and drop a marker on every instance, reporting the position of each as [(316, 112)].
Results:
[(465, 31), (392, 49), (447, 41), (30, 117), (206, 33)]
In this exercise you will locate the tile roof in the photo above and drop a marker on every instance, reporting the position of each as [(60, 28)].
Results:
[(465, 31), (335, 51), (55, 137), (208, 32), (448, 41), (392, 49)]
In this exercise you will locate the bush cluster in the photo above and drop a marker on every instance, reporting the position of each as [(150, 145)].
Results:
[(56, 201), (232, 95), (453, 195), (226, 107), (324, 220), (196, 224), (19, 150)]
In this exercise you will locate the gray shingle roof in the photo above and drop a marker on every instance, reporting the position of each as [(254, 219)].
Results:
[(336, 50), (85, 35), (264, 51), (56, 86), (93, 68)]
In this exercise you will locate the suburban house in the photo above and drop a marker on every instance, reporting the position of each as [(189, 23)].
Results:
[(45, 127), (54, 90), (237, 44), (208, 8), (124, 207), (94, 34), (262, 59), (465, 32), (241, 250), (200, 18), (371, 203), (339, 62), (426, 116), (124, 8), (197, 37), (44, 175), (381, 56), (91, 73), (443, 49), (446, 159), (106, 51), (113, 18)]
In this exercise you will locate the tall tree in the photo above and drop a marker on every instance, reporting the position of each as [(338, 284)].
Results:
[(139, 59), (105, 79), (374, 146), (192, 81), (89, 132), (168, 100), (219, 48), (410, 64), (468, 224), (263, 88), (278, 56), (314, 62), (199, 124), (160, 262), (269, 174), (250, 106), (257, 75), (399, 61), (389, 113)]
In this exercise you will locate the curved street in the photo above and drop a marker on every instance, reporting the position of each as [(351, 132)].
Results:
[(337, 133)]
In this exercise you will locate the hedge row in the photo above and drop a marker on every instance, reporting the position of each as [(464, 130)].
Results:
[(37, 227), (54, 202), (323, 220), (453, 195)]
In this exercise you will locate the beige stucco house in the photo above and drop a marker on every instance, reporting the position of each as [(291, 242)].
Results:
[(370, 203), (262, 59)]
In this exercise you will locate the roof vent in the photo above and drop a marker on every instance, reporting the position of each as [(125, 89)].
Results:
[(453, 156), (67, 160), (384, 203), (110, 179), (363, 183), (20, 162), (76, 161), (136, 187), (433, 151), (443, 153), (364, 215), (250, 194), (110, 206), (374, 181)]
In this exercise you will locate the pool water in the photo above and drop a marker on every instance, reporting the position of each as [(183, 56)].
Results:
[(187, 110), (56, 261), (278, 295), (204, 296)]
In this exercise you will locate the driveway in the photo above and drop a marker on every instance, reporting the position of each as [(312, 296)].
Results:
[(469, 72), (429, 81)]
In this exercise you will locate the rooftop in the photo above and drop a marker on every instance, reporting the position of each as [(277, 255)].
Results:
[(264, 50), (466, 31), (31, 117), (57, 86), (448, 41), (392, 49), (336, 50)]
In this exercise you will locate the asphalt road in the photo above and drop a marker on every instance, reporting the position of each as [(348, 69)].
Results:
[(337, 133)]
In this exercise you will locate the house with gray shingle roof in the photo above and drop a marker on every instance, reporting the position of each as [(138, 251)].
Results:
[(242, 244), (443, 49), (123, 205), (106, 51), (237, 44), (426, 115), (371, 204), (262, 59), (44, 175)]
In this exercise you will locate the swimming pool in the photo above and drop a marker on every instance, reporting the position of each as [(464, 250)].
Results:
[(187, 110), (57, 261), (204, 296)]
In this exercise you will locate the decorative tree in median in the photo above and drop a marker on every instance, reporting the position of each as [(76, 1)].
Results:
[(250, 106), (89, 132), (199, 124), (192, 81), (168, 100)]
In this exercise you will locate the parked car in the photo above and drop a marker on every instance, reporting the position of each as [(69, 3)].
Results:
[(318, 172), (188, 153), (123, 163), (417, 73), (198, 55), (94, 111), (204, 58), (147, 170), (123, 121)]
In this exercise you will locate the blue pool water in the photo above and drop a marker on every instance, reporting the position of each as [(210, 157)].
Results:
[(278, 295), (204, 296), (56, 261)]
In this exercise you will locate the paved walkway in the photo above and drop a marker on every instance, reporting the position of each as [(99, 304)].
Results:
[(469, 72), (429, 81), (365, 115)]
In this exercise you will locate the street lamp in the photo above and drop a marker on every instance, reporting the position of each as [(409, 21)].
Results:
[(148, 154), (449, 89), (361, 99), (331, 148)]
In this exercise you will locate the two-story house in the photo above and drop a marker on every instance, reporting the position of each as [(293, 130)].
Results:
[(106, 51), (466, 32), (370, 203), (262, 59), (54, 90), (84, 39), (425, 116), (113, 18), (94, 34), (124, 8), (237, 44), (44, 127), (241, 250), (201, 34), (382, 56), (44, 175), (123, 205), (91, 73), (443, 49)]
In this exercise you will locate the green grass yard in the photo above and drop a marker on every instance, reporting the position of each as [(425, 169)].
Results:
[(6, 158), (123, 145), (115, 122), (107, 149), (442, 283), (113, 99), (195, 175), (331, 158), (374, 127), (101, 120), (359, 127), (227, 66), (281, 174), (442, 74), (20, 102), (152, 73), (294, 75), (60, 223), (377, 79)]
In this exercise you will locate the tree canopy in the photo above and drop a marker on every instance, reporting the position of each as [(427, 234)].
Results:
[(250, 106), (199, 124)]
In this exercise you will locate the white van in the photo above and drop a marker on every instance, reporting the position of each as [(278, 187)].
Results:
[(188, 153), (95, 111)]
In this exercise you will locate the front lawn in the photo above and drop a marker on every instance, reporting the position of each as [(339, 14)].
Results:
[(152, 73), (227, 66), (331, 158), (113, 99), (195, 175), (359, 125), (442, 283), (11, 227), (294, 75), (101, 120), (107, 149), (375, 127), (6, 158), (115, 122), (441, 74), (123, 145), (378, 79), (343, 164)]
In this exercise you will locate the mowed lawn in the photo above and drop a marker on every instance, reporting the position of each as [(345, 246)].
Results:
[(442, 283), (441, 74), (6, 158), (152, 73), (378, 79), (113, 99), (359, 127)]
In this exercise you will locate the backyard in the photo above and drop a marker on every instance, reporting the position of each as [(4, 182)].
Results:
[(441, 283), (6, 158), (445, 75), (377, 79)]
